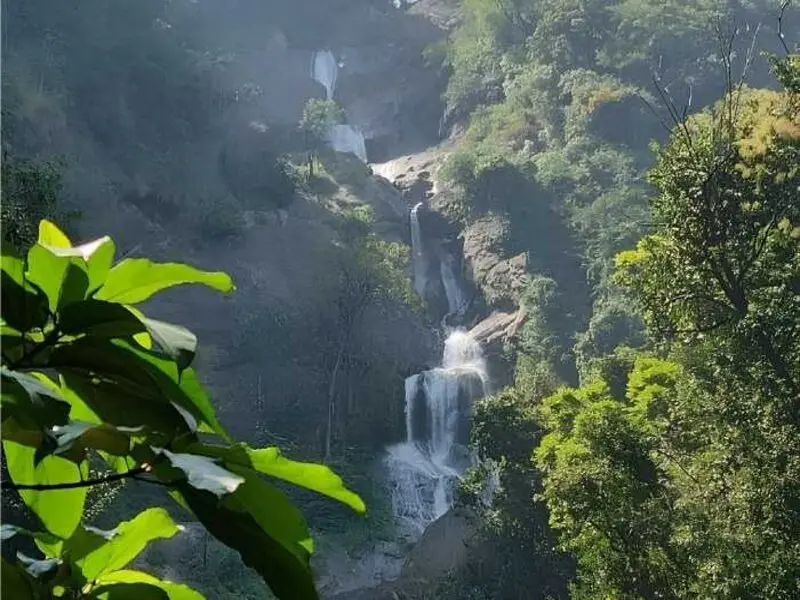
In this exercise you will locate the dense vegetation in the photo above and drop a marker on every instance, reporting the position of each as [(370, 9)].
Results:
[(653, 420), (642, 155), (88, 380)]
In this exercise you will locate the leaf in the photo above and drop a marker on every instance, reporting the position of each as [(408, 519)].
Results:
[(66, 274), (178, 342), (136, 371), (30, 402), (204, 474), (16, 583), (59, 510), (97, 552), (134, 280), (259, 522), (23, 306), (270, 461), (51, 235), (135, 585), (82, 435), (38, 568), (63, 279), (99, 319)]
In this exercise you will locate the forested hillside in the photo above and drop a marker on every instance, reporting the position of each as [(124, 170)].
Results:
[(651, 431), (572, 259)]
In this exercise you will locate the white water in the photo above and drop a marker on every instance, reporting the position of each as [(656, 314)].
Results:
[(424, 469), (324, 70), (346, 138), (455, 296), (417, 254)]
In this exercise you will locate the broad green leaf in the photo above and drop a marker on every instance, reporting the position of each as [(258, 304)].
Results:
[(178, 342), (81, 435), (63, 279), (59, 510), (204, 474), (33, 404), (16, 583), (23, 306), (125, 403), (99, 319), (97, 254), (262, 525), (135, 585), (39, 568), (270, 461), (134, 280), (117, 363), (97, 552), (51, 235)]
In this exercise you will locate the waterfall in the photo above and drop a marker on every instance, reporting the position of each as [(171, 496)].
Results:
[(418, 257), (424, 469), (346, 138), (452, 290), (324, 70)]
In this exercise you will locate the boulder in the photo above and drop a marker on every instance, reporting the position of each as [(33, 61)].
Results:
[(444, 548)]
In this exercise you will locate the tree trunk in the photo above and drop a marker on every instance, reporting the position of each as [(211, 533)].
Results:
[(332, 403)]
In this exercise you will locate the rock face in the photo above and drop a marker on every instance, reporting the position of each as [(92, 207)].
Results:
[(502, 280), (447, 546), (443, 548)]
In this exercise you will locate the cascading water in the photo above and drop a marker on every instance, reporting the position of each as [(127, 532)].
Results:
[(346, 138), (324, 70), (452, 289), (417, 254), (423, 470)]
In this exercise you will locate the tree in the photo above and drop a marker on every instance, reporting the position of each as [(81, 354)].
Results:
[(88, 377), (318, 118), (30, 193), (371, 270), (683, 483)]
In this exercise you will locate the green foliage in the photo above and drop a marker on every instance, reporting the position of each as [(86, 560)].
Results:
[(30, 193), (318, 118), (677, 478), (87, 376), (521, 557)]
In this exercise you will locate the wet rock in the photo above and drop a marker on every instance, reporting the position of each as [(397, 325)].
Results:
[(444, 547)]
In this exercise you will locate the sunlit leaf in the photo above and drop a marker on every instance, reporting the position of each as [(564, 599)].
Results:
[(178, 342), (270, 461), (135, 585), (51, 235), (204, 474), (59, 510), (135, 280), (97, 552)]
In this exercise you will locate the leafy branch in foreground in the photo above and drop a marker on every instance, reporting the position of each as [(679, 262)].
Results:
[(87, 376)]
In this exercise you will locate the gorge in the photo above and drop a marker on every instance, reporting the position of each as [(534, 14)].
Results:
[(523, 273)]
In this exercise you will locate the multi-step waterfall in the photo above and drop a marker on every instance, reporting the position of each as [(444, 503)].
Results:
[(424, 469), (341, 137)]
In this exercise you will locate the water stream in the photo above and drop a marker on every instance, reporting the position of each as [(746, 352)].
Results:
[(419, 265), (346, 138), (424, 470), (324, 70)]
